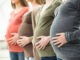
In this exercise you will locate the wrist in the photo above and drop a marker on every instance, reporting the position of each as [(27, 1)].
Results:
[(48, 38)]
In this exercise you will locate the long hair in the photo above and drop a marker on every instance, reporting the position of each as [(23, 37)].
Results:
[(22, 2), (40, 1)]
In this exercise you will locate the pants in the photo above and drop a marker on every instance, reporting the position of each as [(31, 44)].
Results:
[(48, 58), (30, 58), (17, 55), (59, 59)]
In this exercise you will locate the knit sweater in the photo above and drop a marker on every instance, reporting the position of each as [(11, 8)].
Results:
[(67, 20), (43, 23)]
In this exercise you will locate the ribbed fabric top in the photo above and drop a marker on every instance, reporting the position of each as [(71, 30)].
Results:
[(67, 20), (43, 23)]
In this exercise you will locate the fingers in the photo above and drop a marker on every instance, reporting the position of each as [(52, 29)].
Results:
[(12, 42), (60, 45), (57, 43), (40, 37), (43, 47), (14, 34), (54, 41), (58, 34), (19, 42), (55, 38), (39, 46), (38, 43), (22, 37), (59, 40), (10, 39), (22, 45)]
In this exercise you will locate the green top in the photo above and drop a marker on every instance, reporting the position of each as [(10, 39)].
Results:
[(43, 23)]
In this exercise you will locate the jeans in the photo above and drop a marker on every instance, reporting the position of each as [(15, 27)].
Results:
[(17, 55), (30, 58), (48, 58), (59, 59)]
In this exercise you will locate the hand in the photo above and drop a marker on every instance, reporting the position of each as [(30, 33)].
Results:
[(23, 41), (44, 40), (59, 40), (13, 39)]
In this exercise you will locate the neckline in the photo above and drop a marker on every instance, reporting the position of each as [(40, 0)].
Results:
[(40, 11), (19, 11)]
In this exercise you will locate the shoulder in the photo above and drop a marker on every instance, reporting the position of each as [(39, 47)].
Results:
[(26, 9), (27, 17), (36, 10), (72, 2), (56, 2), (27, 14), (69, 4)]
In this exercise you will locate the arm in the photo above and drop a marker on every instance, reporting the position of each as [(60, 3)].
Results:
[(23, 41), (71, 36), (13, 39), (25, 31), (26, 26), (44, 41), (66, 37)]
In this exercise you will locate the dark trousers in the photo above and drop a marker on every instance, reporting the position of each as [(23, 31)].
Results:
[(48, 58), (17, 55), (59, 59)]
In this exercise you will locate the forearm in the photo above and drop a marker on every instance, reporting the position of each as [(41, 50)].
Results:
[(48, 38), (71, 36), (31, 39)]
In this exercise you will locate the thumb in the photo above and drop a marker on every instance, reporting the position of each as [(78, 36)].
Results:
[(36, 44), (40, 37), (22, 37), (14, 34), (58, 34)]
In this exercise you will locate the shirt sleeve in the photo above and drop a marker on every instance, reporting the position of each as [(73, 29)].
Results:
[(75, 35)]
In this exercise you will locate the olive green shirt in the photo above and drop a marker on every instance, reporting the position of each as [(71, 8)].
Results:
[(43, 23)]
